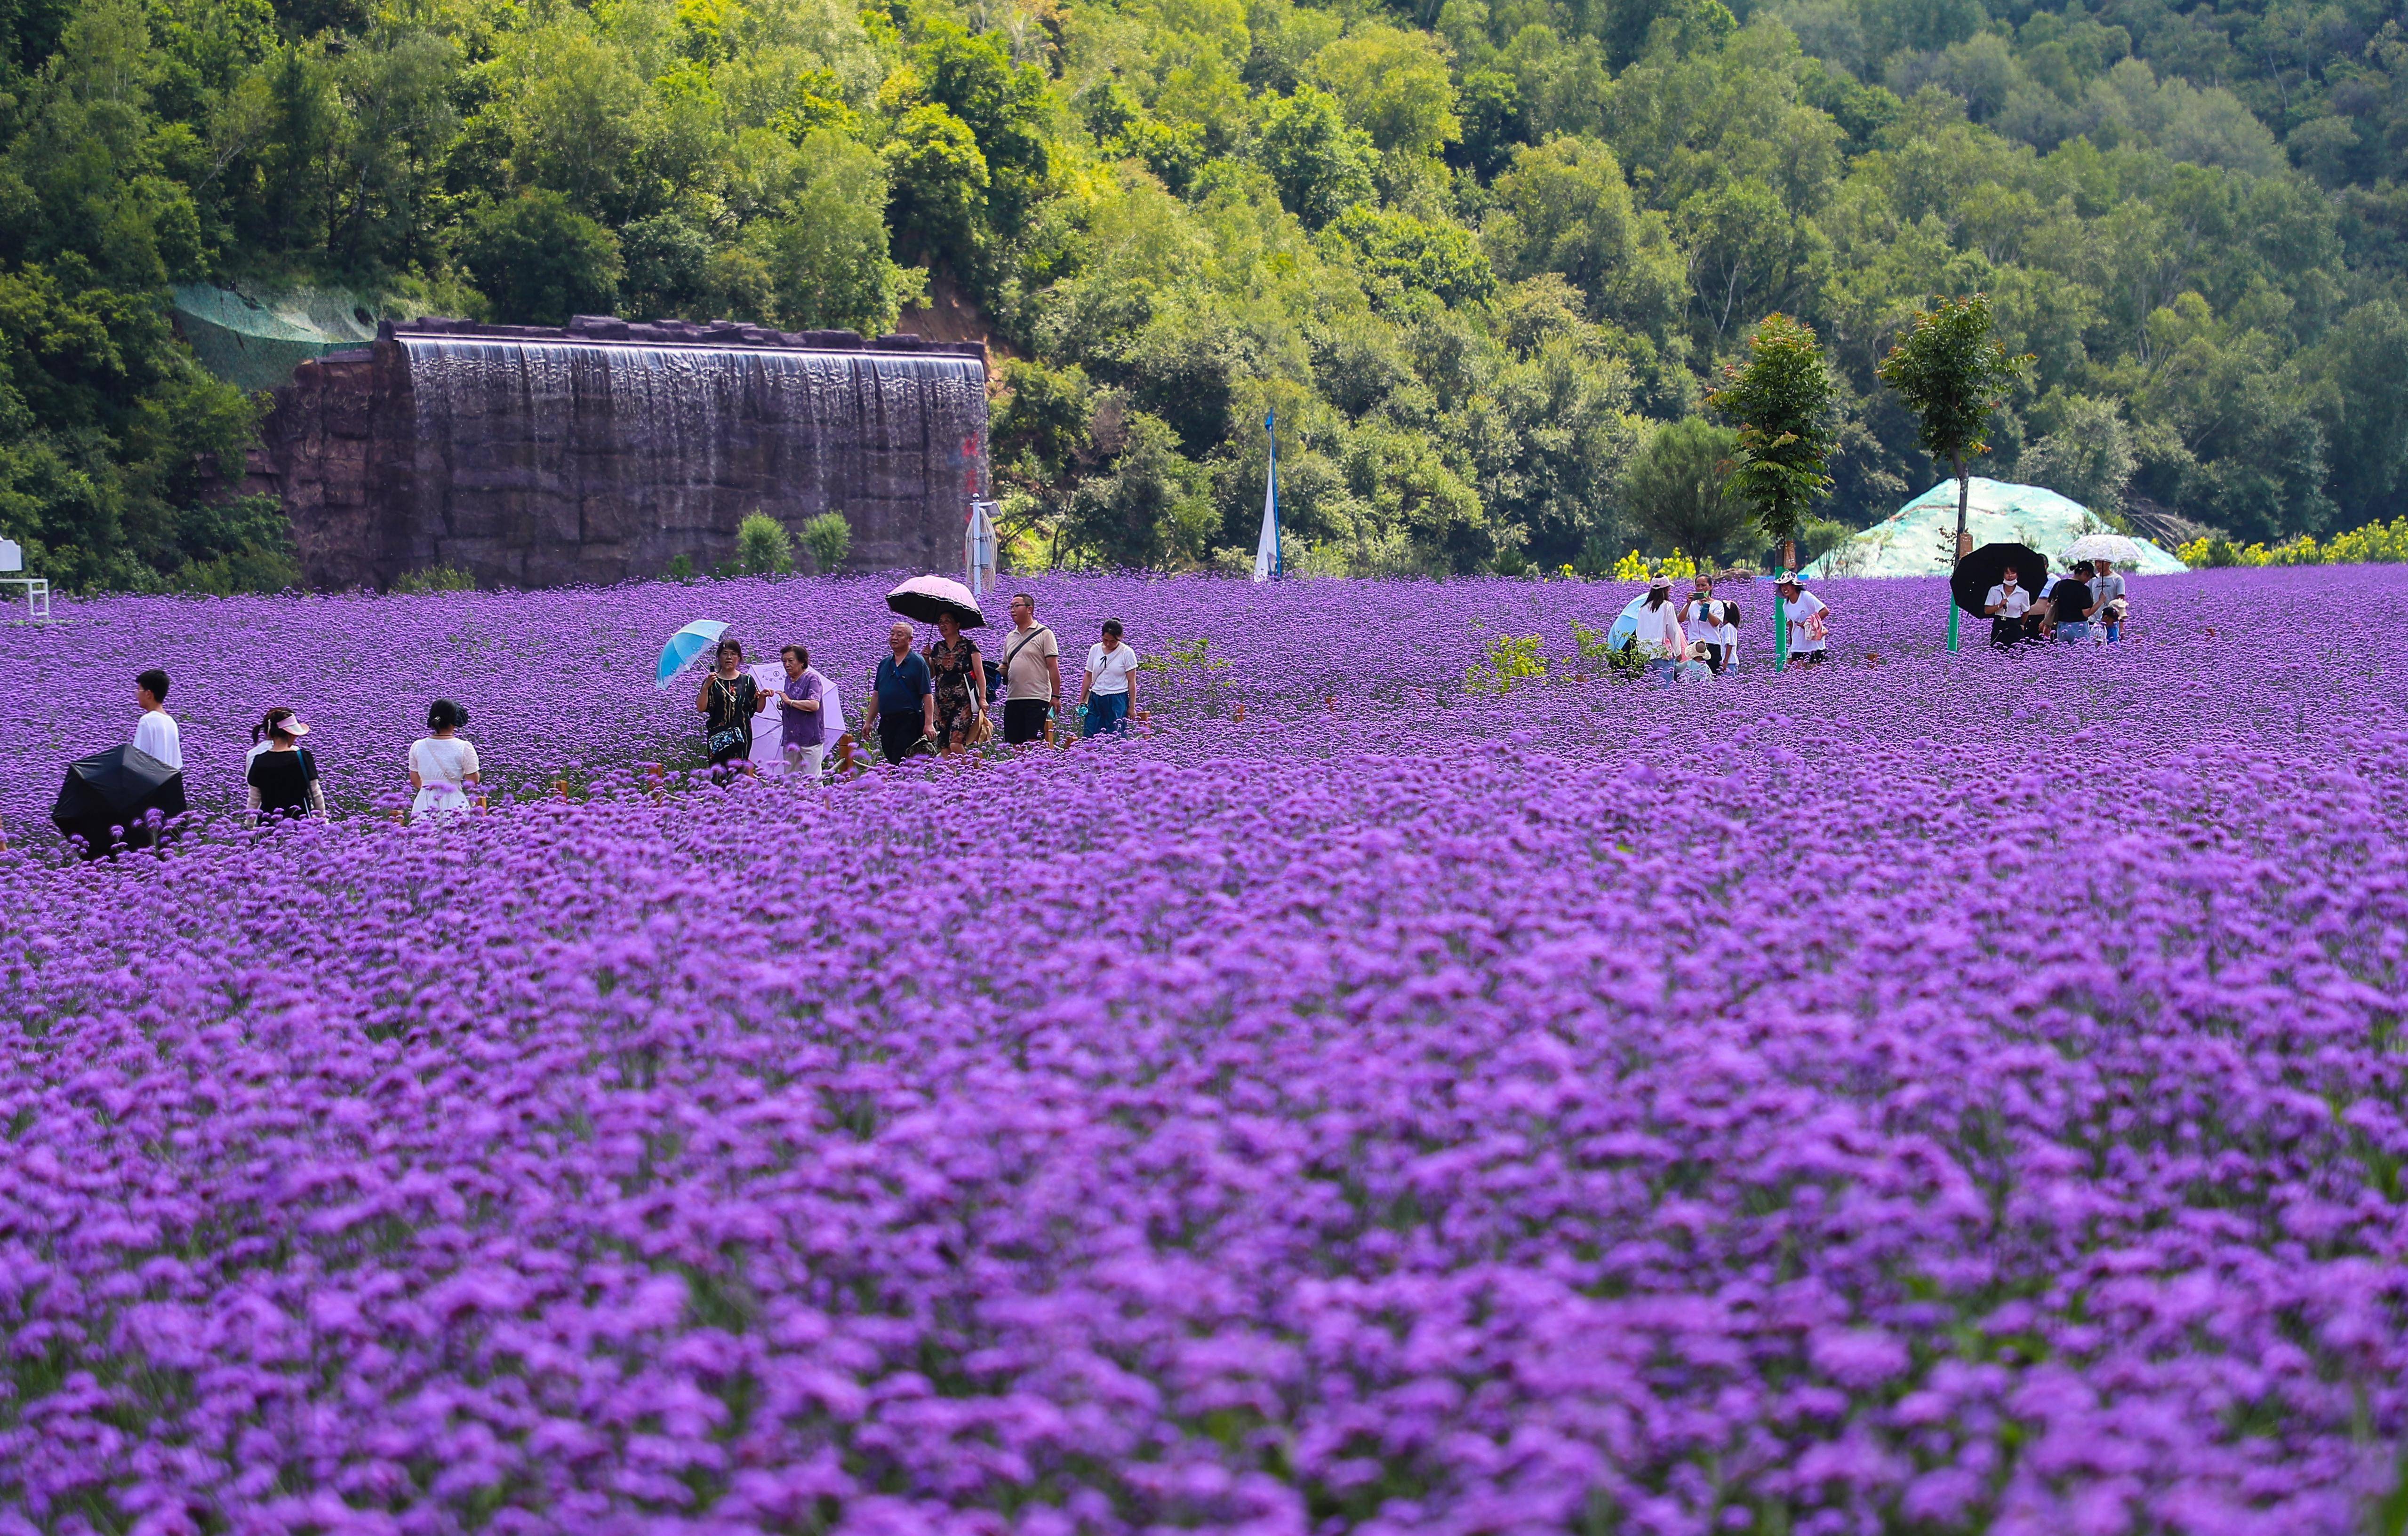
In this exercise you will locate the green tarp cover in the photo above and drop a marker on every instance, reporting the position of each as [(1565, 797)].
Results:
[(1919, 538), (255, 338)]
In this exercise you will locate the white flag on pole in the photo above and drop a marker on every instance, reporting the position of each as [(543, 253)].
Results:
[(979, 543), (1266, 549)]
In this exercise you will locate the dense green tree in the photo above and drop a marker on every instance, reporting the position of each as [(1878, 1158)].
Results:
[(1001, 102), (1677, 493), (939, 181), (2364, 404), (1951, 372), (1493, 122), (825, 254), (2086, 453), (1566, 208), (1440, 259), (1395, 86), (1781, 400), (540, 261), (1321, 164), (666, 263), (1146, 508)]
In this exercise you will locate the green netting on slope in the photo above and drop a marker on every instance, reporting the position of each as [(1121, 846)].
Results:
[(255, 338), (1919, 538)]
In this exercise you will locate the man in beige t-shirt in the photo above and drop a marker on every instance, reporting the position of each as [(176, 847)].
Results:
[(1033, 673)]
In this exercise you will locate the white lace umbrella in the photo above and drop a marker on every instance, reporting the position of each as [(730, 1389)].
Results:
[(2114, 547)]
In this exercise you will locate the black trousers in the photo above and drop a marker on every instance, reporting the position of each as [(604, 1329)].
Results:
[(1024, 719), (899, 734)]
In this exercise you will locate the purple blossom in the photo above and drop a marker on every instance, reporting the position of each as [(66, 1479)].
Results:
[(1957, 1092)]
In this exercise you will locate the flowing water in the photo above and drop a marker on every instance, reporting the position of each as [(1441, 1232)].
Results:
[(538, 462)]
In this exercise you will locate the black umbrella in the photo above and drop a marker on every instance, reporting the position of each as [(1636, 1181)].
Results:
[(929, 598), (1978, 571), (115, 789)]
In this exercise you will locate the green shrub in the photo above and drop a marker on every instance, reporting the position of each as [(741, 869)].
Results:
[(435, 578), (763, 547), (680, 568), (2374, 544), (828, 538), (1512, 659)]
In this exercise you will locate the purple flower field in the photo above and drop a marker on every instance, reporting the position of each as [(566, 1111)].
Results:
[(1931, 1094)]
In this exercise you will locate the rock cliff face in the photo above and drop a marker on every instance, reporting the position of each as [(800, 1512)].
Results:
[(533, 457)]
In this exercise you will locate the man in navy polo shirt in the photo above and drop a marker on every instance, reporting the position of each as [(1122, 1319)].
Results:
[(904, 708)]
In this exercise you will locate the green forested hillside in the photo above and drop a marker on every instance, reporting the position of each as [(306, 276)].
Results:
[(1483, 259)]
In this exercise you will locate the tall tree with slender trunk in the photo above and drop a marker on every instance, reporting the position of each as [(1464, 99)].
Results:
[(1952, 373), (1781, 402)]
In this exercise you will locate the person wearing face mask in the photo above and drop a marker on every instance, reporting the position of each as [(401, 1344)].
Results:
[(2006, 604), (1701, 621)]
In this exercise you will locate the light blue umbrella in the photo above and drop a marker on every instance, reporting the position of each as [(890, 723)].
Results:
[(684, 647)]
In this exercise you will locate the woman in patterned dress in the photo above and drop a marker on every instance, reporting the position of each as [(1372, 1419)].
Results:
[(960, 672)]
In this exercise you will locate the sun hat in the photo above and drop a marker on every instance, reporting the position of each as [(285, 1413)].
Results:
[(1788, 578), (291, 725)]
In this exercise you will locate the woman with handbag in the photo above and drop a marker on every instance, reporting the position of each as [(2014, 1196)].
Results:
[(960, 672), (728, 702), (1109, 690)]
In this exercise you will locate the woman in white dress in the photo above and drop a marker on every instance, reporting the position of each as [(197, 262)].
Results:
[(443, 763)]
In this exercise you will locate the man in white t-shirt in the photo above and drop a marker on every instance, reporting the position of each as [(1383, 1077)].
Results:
[(2006, 604), (1803, 611), (1109, 690), (2108, 588), (155, 733)]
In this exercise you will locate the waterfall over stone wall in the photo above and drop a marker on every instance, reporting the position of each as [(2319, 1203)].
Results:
[(601, 452)]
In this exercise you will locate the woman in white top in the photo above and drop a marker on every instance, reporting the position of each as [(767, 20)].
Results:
[(1109, 690), (1803, 612), (2006, 604), (1659, 639), (442, 765)]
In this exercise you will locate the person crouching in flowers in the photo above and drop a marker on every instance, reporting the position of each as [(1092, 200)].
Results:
[(1807, 617), (443, 763)]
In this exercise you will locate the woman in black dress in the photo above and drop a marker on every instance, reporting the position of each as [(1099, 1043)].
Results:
[(729, 701), (961, 677)]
